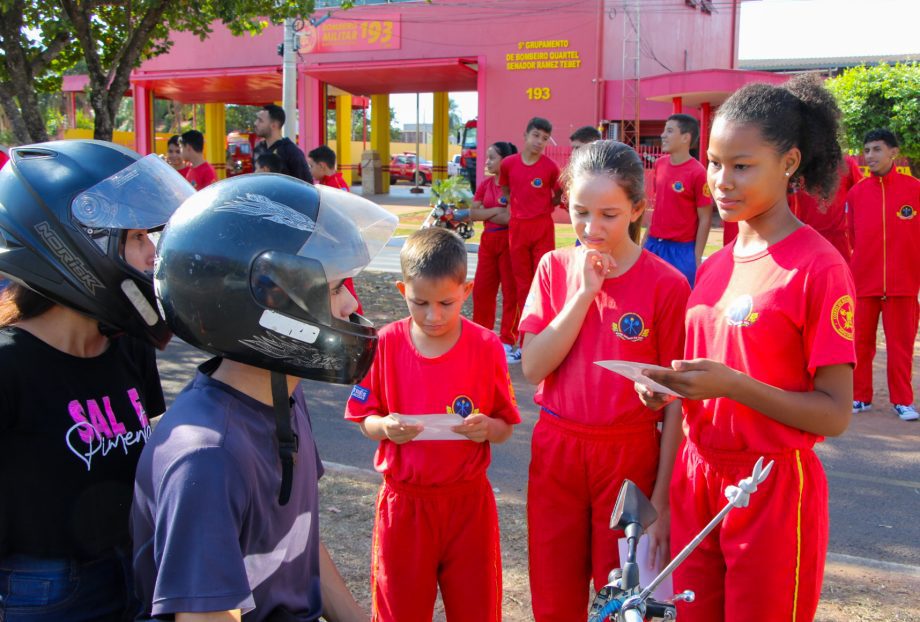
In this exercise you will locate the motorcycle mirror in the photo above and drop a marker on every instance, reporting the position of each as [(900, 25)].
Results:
[(632, 506)]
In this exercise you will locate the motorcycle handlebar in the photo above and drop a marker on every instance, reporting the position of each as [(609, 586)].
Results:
[(631, 615)]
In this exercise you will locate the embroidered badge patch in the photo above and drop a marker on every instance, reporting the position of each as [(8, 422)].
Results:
[(537, 183), (360, 393), (842, 317), (906, 212), (463, 406), (631, 327), (678, 186), (706, 191), (741, 311)]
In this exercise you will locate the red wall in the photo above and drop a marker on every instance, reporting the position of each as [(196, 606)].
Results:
[(490, 32)]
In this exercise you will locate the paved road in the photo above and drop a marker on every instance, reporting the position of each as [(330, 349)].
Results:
[(873, 470)]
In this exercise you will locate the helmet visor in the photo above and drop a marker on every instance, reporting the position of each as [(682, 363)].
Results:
[(349, 232), (141, 196)]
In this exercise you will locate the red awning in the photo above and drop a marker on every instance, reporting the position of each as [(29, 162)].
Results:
[(412, 76), (252, 85)]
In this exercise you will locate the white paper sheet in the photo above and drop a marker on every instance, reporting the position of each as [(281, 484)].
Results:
[(664, 591), (633, 371), (437, 427)]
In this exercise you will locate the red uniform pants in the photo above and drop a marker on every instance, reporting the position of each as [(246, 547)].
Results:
[(764, 562), (425, 537), (899, 319), (493, 268), (528, 240), (576, 472)]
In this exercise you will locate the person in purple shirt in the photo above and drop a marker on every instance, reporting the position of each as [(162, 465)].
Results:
[(225, 519)]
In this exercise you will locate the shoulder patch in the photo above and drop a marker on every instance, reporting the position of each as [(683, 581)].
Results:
[(360, 393), (842, 317)]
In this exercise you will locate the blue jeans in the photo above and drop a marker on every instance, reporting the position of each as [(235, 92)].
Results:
[(35, 589)]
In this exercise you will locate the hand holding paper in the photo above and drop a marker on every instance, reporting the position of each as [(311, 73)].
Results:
[(435, 427), (633, 371)]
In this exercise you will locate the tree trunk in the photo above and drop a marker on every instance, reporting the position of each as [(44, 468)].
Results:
[(19, 88), (20, 132)]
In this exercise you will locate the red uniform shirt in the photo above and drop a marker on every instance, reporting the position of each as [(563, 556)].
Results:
[(531, 186), (3, 158), (828, 218), (335, 181), (885, 231), (637, 316), (201, 176), (472, 377), (776, 316), (490, 194), (679, 191)]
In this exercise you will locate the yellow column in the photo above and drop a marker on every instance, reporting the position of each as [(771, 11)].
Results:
[(343, 136), (439, 137), (380, 134), (215, 138)]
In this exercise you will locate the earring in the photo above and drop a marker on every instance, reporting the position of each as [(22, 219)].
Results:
[(787, 173)]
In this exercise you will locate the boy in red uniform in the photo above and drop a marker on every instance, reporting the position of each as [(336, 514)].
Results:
[(530, 180), (322, 167), (829, 217), (769, 369), (683, 206), (436, 523), (199, 173), (608, 299), (886, 235)]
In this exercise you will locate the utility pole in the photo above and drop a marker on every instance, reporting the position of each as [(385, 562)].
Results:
[(289, 79), (632, 48)]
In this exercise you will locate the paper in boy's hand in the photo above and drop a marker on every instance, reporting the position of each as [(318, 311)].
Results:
[(633, 371), (437, 427), (646, 574)]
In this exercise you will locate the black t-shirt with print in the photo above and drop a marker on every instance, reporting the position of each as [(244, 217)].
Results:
[(71, 433)]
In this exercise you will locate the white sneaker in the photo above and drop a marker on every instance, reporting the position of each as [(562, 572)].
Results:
[(861, 407), (514, 356), (906, 412), (508, 348)]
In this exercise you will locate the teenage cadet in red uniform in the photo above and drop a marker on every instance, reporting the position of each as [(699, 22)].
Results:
[(436, 523), (174, 155), (322, 167), (494, 265), (683, 208), (829, 217), (607, 299), (886, 235), (769, 369), (199, 173), (530, 181)]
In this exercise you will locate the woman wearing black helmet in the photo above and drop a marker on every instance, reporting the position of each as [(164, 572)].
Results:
[(225, 507), (76, 394)]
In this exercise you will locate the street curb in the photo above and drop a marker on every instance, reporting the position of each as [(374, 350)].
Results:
[(366, 475), (875, 564)]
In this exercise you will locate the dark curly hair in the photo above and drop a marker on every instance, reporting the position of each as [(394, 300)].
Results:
[(801, 113), (616, 160)]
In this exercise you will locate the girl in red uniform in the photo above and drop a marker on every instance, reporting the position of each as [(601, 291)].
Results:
[(769, 369), (494, 266), (607, 299)]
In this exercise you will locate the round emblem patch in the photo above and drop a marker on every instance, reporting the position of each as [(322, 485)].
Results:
[(462, 406), (906, 212), (842, 317), (631, 327), (741, 311), (678, 186), (706, 191), (537, 183), (503, 201)]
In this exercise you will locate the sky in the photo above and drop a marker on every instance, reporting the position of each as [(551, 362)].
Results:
[(777, 29)]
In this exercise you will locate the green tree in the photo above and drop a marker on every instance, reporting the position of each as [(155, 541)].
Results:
[(40, 39), (884, 96)]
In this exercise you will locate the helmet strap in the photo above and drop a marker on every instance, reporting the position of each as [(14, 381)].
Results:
[(288, 442)]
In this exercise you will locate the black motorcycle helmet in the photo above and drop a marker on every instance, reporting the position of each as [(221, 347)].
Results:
[(65, 207), (244, 267)]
